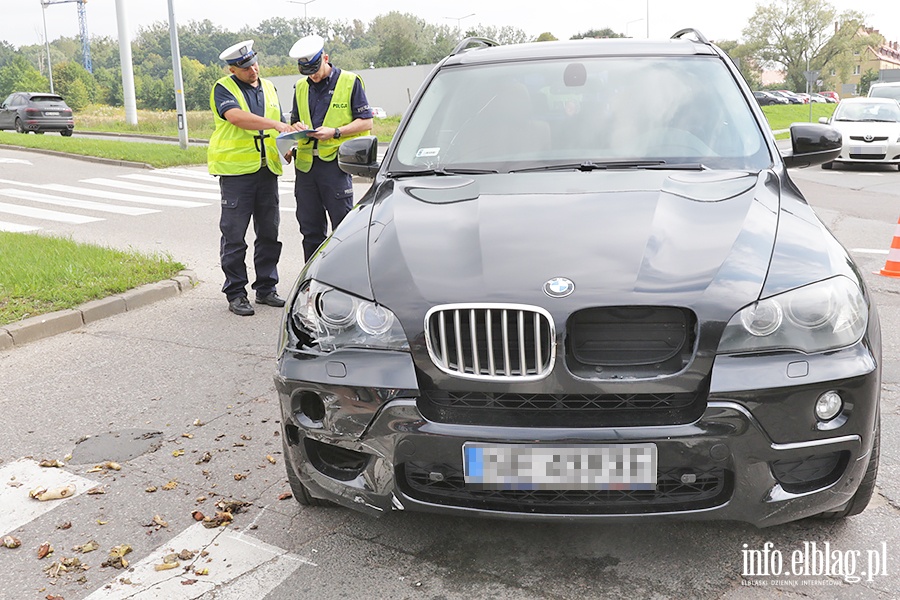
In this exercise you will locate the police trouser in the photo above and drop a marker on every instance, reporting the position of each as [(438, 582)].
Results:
[(324, 189), (244, 196)]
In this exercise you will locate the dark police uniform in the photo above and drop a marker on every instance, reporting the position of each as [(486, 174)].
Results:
[(243, 196), (325, 188)]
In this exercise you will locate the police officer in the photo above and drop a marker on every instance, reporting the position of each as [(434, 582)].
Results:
[(333, 103), (242, 152)]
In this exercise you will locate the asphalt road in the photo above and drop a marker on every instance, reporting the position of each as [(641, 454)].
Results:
[(180, 395)]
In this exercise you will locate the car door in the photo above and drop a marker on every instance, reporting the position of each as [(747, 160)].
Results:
[(7, 113)]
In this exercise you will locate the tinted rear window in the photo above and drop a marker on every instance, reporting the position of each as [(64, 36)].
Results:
[(39, 99)]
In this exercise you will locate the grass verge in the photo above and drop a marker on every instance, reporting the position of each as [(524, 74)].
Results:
[(40, 274), (156, 155), (781, 116)]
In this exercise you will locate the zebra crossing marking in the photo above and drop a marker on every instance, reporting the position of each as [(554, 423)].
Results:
[(71, 189), (229, 556), (211, 186), (42, 213), (149, 189), (71, 203), (16, 228), (18, 507)]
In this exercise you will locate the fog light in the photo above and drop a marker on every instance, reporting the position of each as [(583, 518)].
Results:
[(828, 406)]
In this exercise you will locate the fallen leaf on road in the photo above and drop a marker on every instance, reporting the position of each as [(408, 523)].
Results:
[(94, 491), (285, 496), (44, 550), (189, 436), (117, 557), (177, 453), (85, 548), (232, 506), (65, 525), (166, 566), (270, 458), (170, 486), (43, 494), (151, 489), (101, 522), (159, 521), (198, 516), (51, 463), (200, 499), (186, 554), (239, 476), (188, 581), (221, 519), (246, 437), (11, 542), (198, 423), (205, 458), (203, 571), (52, 597)]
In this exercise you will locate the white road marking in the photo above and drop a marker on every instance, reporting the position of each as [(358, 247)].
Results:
[(16, 228), (85, 204), (155, 201), (41, 213), (187, 173), (15, 161), (149, 189), (230, 555), (163, 181), (868, 251), (18, 507)]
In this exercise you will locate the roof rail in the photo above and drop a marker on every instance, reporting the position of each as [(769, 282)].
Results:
[(697, 35), (473, 42)]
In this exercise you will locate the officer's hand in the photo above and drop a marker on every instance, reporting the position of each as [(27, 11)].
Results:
[(283, 127), (299, 126)]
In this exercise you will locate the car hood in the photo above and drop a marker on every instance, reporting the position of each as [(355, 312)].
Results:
[(696, 239)]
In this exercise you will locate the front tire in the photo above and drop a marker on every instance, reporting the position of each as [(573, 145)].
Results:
[(863, 495)]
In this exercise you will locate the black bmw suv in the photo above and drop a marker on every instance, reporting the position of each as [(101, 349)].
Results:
[(567, 296)]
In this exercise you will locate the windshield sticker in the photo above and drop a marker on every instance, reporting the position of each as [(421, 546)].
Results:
[(423, 152)]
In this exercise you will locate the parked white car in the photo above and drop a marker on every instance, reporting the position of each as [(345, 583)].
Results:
[(870, 128)]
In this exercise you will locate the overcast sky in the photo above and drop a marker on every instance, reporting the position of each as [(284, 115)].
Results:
[(716, 19)]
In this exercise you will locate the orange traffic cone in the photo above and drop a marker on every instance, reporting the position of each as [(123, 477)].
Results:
[(892, 265)]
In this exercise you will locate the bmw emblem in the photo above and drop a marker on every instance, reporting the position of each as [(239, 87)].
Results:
[(559, 287)]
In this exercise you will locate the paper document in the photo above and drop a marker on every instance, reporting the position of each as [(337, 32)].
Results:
[(287, 141)]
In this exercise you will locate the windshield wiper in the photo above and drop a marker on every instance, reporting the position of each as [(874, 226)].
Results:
[(442, 171), (606, 166)]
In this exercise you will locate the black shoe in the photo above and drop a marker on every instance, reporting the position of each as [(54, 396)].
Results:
[(271, 299), (241, 306)]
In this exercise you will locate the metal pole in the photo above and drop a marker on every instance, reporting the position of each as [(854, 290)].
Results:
[(127, 68), (47, 42), (179, 83), (648, 19)]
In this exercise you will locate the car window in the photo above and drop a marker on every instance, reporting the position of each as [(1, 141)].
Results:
[(885, 91), (505, 116), (46, 99), (868, 111)]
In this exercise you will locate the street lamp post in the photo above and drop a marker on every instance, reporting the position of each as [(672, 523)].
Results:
[(459, 20), (47, 42), (179, 82), (304, 5)]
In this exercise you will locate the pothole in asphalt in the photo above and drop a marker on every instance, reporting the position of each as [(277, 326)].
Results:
[(118, 446)]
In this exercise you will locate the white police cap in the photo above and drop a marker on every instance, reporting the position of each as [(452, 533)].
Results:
[(308, 49), (240, 55)]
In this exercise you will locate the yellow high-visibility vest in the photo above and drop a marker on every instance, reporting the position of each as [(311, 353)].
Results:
[(234, 151), (339, 113)]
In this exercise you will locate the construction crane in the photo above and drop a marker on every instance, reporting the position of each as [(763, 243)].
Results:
[(82, 29)]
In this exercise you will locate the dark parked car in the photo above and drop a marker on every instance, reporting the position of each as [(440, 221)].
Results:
[(568, 297), (789, 96), (37, 112), (767, 99)]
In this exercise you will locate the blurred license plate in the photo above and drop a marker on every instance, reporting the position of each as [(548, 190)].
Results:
[(51, 113), (867, 150), (563, 467)]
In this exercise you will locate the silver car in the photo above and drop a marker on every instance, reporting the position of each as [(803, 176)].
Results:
[(870, 128)]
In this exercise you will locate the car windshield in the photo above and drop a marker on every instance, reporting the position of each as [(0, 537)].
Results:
[(868, 111), (608, 110)]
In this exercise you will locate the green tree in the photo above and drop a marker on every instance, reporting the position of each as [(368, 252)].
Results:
[(866, 80), (606, 32), (19, 76), (546, 37), (66, 74), (797, 34), (77, 95), (743, 55)]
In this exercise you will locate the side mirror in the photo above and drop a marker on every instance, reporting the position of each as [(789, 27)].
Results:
[(812, 144), (824, 120), (359, 156)]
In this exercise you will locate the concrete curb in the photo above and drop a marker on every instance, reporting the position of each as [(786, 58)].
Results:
[(42, 326), (94, 159)]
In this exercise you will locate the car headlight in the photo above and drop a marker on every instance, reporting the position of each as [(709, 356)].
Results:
[(332, 319), (822, 316)]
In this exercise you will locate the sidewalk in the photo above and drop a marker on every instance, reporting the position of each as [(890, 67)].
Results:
[(42, 326)]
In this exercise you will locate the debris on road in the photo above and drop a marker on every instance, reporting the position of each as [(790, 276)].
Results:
[(43, 494), (117, 557), (11, 542)]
